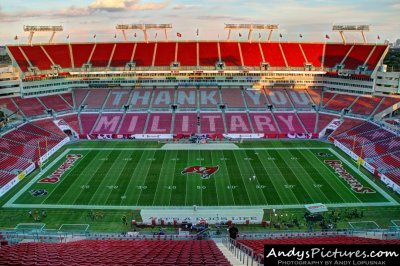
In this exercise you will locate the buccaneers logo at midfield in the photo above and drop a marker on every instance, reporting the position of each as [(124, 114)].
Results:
[(204, 171)]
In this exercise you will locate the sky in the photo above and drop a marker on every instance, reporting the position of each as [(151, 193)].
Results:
[(82, 19)]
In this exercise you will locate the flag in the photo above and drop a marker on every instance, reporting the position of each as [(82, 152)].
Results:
[(134, 35), (378, 37), (301, 35), (67, 36), (327, 36), (259, 35), (178, 34), (94, 36), (280, 35), (240, 35), (16, 37), (197, 32), (115, 35), (156, 35)]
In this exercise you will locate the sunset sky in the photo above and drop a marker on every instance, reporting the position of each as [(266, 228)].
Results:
[(312, 18)]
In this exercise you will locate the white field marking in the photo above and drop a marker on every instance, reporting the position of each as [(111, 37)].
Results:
[(159, 176), (129, 207), (36, 178), (229, 179), (365, 222), (194, 148), (369, 181), (334, 177), (395, 222)]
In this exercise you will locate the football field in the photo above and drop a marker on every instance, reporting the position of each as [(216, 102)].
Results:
[(189, 174)]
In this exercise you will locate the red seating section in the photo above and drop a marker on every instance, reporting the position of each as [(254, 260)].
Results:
[(324, 120), (293, 54), (122, 54), (186, 98), (289, 123), (101, 55), (365, 105), (159, 123), (273, 54), (68, 98), (357, 56), (8, 104), (334, 54), (19, 58), (115, 252), (55, 102), (209, 98), (299, 98), (230, 53), (278, 98), (308, 120), (251, 54), (59, 53), (187, 53), (144, 54), (376, 56), (313, 53), (81, 53), (133, 123), (117, 99), (72, 121), (80, 96), (185, 123), (386, 103), (165, 53), (96, 98), (37, 57), (162, 98), (340, 102), (255, 98), (107, 123), (232, 97), (315, 95), (30, 106), (211, 123), (263, 123), (208, 53)]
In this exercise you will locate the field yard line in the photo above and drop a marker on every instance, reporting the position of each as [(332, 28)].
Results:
[(369, 181), (144, 180), (36, 178), (159, 176), (323, 176), (229, 178), (113, 207)]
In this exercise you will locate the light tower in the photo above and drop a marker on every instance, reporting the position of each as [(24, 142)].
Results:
[(251, 28), (358, 28), (33, 29), (144, 28)]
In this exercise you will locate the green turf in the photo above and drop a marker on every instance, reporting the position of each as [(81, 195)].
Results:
[(152, 177)]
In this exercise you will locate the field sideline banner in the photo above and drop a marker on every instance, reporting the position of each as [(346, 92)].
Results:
[(16, 179), (212, 216)]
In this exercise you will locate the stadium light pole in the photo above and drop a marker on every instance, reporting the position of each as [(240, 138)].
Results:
[(144, 28), (251, 28), (33, 29), (351, 28)]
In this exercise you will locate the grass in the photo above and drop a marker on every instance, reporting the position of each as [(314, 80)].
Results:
[(108, 179)]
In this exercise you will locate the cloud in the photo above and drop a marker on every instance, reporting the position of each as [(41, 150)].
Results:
[(121, 5)]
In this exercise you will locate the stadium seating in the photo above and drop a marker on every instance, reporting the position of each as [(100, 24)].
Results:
[(211, 123), (187, 54), (273, 54), (59, 53), (143, 55), (80, 95), (159, 123), (96, 98), (162, 98), (278, 98), (49, 126), (208, 53), (5, 178), (165, 53), (122, 54), (376, 56), (107, 123), (394, 175), (347, 124), (30, 106), (81, 53), (289, 123), (299, 98), (357, 56), (386, 103), (11, 163), (237, 123), (255, 98), (263, 123), (232, 98), (133, 123), (313, 53), (87, 122), (209, 98), (324, 120), (37, 57), (230, 53), (308, 120), (117, 99), (365, 105), (22, 62), (315, 95), (140, 99), (72, 121), (185, 123), (115, 252), (186, 97), (55, 102), (338, 103), (293, 54), (19, 149), (68, 98), (8, 104), (327, 96), (335, 53), (251, 54), (387, 162), (101, 54)]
